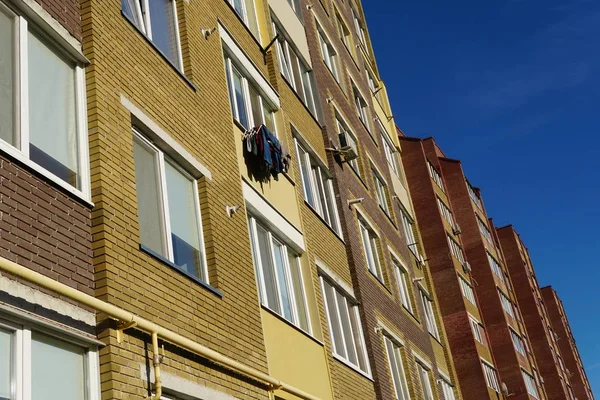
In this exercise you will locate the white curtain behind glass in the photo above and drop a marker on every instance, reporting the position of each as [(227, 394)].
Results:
[(5, 364), (57, 369), (52, 111), (7, 77)]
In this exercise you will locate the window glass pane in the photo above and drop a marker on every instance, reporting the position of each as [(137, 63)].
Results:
[(305, 169), (7, 78), (52, 129), (358, 339), (255, 103), (184, 218), (268, 117), (267, 268), (240, 100), (284, 287), (131, 8), (346, 327), (334, 320), (256, 259), (57, 369), (148, 197), (298, 286), (6, 372), (251, 15), (164, 33)]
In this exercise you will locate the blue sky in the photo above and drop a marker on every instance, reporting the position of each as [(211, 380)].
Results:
[(512, 89)]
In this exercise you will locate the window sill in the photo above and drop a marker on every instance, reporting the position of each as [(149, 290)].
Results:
[(151, 43), (15, 155), (302, 331), (352, 367), (324, 222), (169, 263)]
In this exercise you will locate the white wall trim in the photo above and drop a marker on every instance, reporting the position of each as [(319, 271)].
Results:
[(367, 220), (421, 360), (335, 278), (34, 296), (183, 386), (250, 70), (166, 143), (445, 377), (266, 213), (390, 332)]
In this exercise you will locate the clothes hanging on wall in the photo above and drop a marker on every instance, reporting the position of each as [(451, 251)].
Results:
[(264, 154)]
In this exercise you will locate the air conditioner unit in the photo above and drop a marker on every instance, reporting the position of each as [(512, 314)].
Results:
[(456, 229), (348, 148), (467, 267)]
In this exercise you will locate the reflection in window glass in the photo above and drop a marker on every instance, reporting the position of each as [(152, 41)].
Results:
[(7, 77), (6, 371)]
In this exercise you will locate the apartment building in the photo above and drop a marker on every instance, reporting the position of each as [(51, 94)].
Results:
[(488, 339), (403, 335), (535, 315), (45, 205), (580, 386)]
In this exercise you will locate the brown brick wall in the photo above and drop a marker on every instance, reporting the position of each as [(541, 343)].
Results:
[(44, 228), (66, 12)]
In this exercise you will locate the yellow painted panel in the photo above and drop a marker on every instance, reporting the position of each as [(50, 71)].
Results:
[(280, 194), (439, 353), (295, 359)]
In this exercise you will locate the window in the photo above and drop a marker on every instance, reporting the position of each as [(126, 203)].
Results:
[(295, 71), (361, 106), (381, 191), (371, 248), (518, 342), (477, 330), (359, 27), (495, 267), (446, 213), (248, 105), (168, 209), (389, 149), (530, 385), (350, 139), (279, 276), (329, 54), (506, 303), (491, 378), (435, 175), (345, 329), (484, 230), (157, 19), (403, 284), (474, 196), (36, 73), (371, 79), (29, 360), (425, 382), (409, 232), (397, 369), (456, 250), (447, 390), (429, 314), (245, 10), (467, 290), (344, 33), (318, 188)]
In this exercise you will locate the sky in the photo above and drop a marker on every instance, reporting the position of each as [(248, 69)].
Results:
[(512, 89)]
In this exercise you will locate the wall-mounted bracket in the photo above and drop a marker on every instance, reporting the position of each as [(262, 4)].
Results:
[(123, 326)]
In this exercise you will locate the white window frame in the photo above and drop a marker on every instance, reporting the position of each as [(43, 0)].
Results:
[(447, 389), (389, 148), (329, 54), (245, 16), (394, 355), (517, 342), (477, 329), (456, 250), (467, 290), (429, 311), (142, 9), (531, 385), (484, 230), (345, 34), (371, 248), (507, 305), (445, 211), (491, 376), (252, 225), (403, 278), (361, 105), (435, 175), (21, 106), (411, 240), (22, 359), (320, 189), (359, 27), (164, 204), (496, 269), (353, 313), (474, 196), (381, 190), (425, 379)]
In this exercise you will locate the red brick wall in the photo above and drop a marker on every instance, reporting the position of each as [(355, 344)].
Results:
[(43, 228), (66, 12)]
